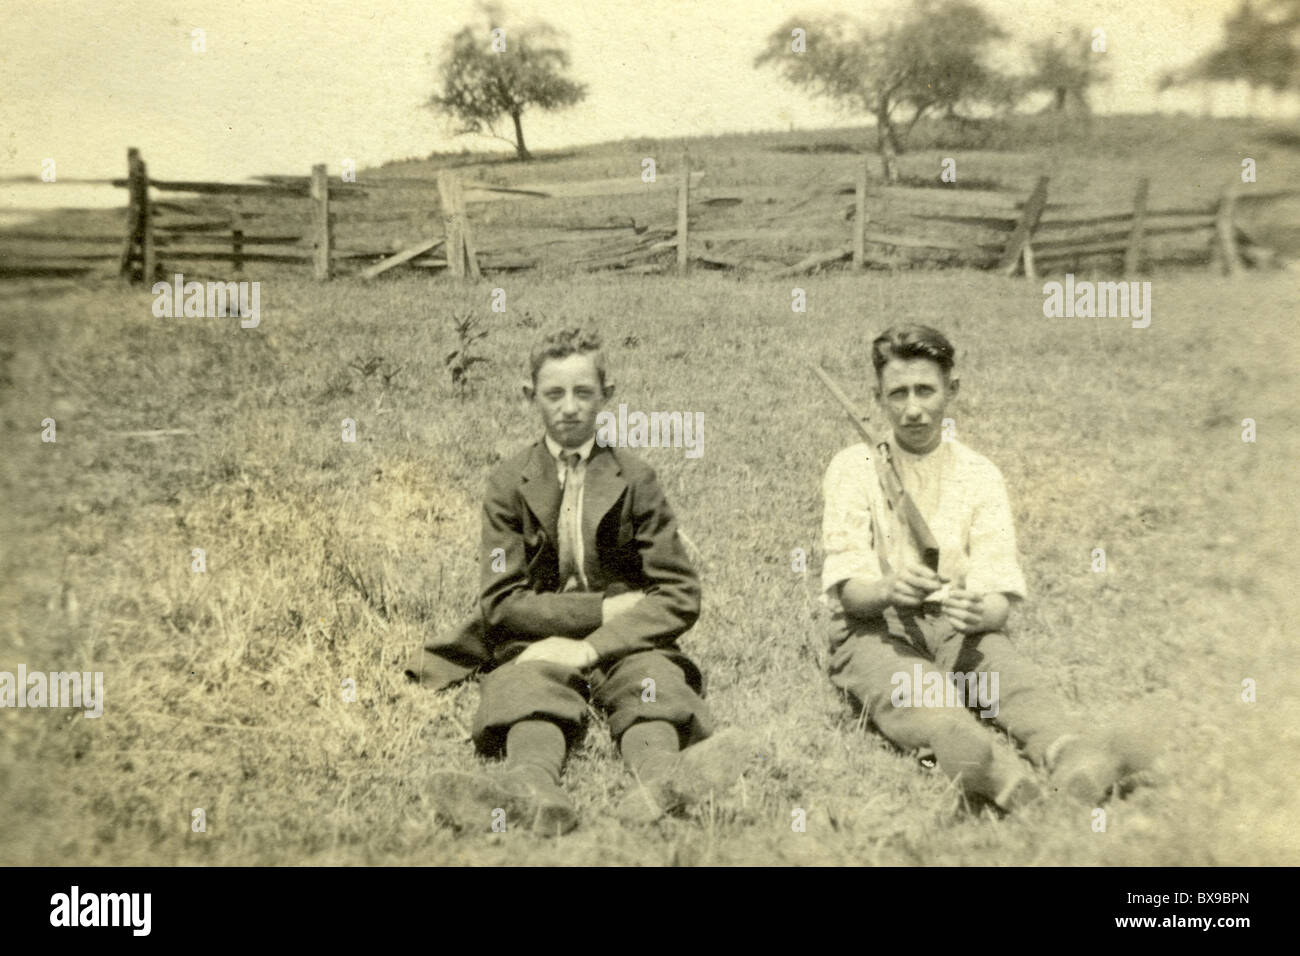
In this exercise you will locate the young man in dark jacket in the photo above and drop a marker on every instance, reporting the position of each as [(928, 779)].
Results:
[(586, 588)]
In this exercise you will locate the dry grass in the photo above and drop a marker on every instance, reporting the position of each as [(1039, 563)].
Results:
[(328, 561)]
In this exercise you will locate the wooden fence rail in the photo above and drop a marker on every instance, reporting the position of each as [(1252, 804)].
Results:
[(293, 220)]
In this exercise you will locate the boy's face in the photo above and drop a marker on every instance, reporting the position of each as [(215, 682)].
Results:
[(568, 395), (915, 394)]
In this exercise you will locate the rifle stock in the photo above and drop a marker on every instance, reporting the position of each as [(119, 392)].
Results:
[(892, 486)]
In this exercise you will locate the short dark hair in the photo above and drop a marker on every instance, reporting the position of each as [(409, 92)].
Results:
[(912, 342), (562, 344)]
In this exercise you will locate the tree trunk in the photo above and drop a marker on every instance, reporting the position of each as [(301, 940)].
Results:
[(1061, 93), (887, 145), (520, 149)]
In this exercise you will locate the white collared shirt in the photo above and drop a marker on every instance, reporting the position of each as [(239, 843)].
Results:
[(584, 453), (556, 449), (959, 492)]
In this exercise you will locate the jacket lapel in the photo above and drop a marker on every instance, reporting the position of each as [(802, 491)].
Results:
[(602, 487), (541, 490)]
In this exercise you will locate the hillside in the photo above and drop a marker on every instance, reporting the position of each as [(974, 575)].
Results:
[(766, 200)]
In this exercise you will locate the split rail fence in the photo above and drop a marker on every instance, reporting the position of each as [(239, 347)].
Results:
[(344, 228)]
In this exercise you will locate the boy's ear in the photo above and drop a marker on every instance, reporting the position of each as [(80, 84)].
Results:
[(954, 384), (528, 390), (608, 391)]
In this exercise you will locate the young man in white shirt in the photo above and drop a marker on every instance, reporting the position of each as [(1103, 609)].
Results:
[(922, 650)]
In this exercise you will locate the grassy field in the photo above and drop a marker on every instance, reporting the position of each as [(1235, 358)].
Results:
[(328, 561)]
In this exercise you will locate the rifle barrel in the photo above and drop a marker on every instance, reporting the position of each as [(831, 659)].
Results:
[(890, 483), (859, 422)]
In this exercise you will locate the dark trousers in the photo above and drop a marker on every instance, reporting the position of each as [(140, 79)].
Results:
[(866, 656), (649, 685)]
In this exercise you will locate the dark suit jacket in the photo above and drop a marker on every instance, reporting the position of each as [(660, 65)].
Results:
[(630, 542)]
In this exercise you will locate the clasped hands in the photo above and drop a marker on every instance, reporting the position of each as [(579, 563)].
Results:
[(964, 610), (573, 652)]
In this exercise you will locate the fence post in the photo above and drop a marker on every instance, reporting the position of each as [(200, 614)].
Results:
[(683, 215), (139, 222), (1133, 254), (147, 251), (320, 210), (1033, 211), (860, 218), (454, 247), (467, 235), (1223, 228), (132, 213)]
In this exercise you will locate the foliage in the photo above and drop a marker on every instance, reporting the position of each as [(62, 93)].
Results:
[(934, 59), (479, 86), (1260, 45), (1065, 67), (461, 361)]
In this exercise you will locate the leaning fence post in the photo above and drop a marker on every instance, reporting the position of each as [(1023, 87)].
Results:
[(1033, 211), (683, 215), (320, 211)]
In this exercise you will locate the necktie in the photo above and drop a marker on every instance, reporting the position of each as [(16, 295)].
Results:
[(570, 524)]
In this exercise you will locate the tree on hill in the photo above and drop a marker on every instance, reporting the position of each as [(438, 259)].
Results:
[(934, 59), (1067, 68), (1260, 45), (486, 76)]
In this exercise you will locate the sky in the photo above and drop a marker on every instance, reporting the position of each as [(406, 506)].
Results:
[(282, 85)]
